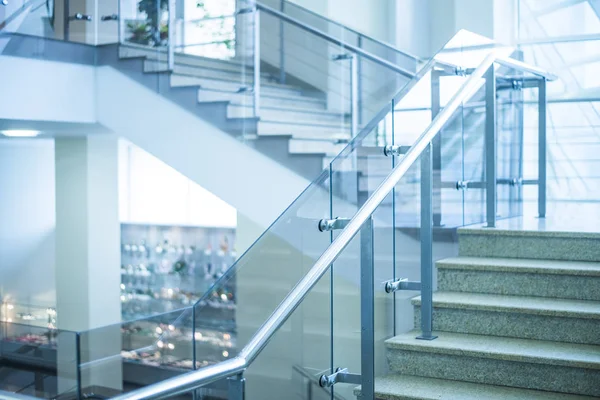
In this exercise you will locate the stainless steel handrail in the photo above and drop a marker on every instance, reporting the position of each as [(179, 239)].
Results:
[(238, 364), (359, 34), (292, 21)]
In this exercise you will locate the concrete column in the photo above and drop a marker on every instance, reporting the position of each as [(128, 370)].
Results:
[(88, 257)]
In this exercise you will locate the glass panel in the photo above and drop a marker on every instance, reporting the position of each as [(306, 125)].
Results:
[(38, 361), (122, 357), (262, 278)]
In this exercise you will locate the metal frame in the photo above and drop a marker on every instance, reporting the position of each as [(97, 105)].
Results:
[(236, 365), (490, 147), (292, 21), (542, 145), (427, 244), (256, 62), (359, 35)]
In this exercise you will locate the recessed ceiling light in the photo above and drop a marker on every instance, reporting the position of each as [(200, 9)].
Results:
[(20, 133)]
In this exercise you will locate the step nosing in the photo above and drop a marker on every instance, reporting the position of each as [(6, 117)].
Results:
[(527, 232), (501, 348), (551, 309), (521, 265), (427, 388)]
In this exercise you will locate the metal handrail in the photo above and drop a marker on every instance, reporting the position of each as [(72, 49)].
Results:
[(359, 34), (282, 16), (191, 380)]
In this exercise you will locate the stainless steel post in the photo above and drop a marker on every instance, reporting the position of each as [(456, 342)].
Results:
[(426, 244), (367, 311), (256, 38), (437, 150), (490, 146), (542, 108), (354, 94), (359, 83), (66, 20), (172, 9), (236, 387), (282, 46)]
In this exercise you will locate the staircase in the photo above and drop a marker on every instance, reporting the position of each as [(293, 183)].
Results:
[(517, 315), (295, 128)]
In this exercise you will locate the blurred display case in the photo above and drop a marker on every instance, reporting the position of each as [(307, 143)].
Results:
[(21, 313), (165, 268)]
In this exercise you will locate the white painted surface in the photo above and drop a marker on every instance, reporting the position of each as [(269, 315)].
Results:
[(88, 255), (87, 232), (202, 152), (42, 90), (27, 220), (152, 192)]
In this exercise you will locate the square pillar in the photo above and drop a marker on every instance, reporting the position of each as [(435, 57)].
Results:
[(88, 258)]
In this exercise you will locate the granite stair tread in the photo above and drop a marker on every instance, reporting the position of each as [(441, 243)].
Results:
[(502, 348), (520, 304), (396, 387), (508, 230), (585, 268)]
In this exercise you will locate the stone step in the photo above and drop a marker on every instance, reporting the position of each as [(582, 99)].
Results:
[(301, 146), (521, 241), (562, 320), (520, 277), (287, 114), (310, 130), (160, 54), (522, 363), (266, 99), (220, 77), (406, 387), (179, 79)]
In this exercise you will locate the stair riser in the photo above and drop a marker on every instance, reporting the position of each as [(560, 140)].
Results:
[(209, 73), (190, 60), (520, 284), (286, 115), (227, 86), (553, 378), (517, 325), (309, 131), (209, 96), (545, 247)]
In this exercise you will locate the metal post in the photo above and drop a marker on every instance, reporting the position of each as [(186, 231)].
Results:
[(367, 310), (194, 357), (359, 83), (542, 108), (256, 37), (282, 46), (437, 150), (426, 245), (354, 95), (171, 35), (66, 20), (236, 387), (120, 20), (490, 146), (78, 365)]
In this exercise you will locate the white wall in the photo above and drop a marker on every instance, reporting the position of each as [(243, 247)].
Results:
[(151, 192), (27, 220), (46, 91)]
